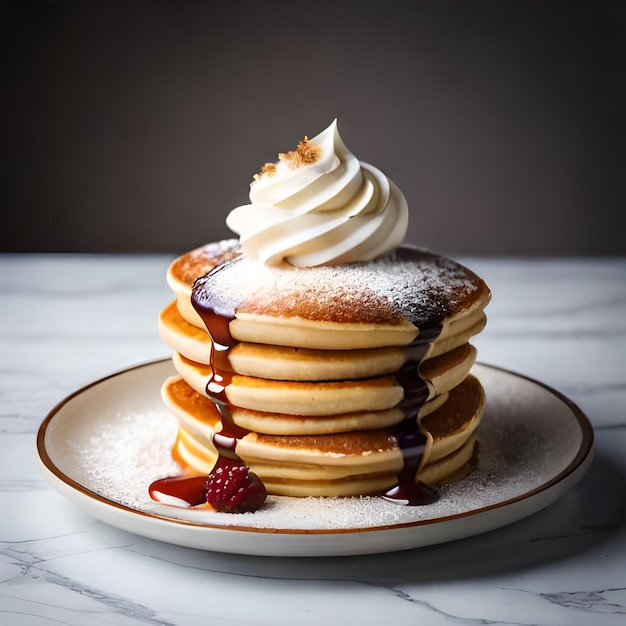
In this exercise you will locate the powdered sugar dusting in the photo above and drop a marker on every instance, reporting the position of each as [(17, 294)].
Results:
[(408, 283), (120, 455)]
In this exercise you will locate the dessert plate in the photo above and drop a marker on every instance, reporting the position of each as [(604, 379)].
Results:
[(103, 445)]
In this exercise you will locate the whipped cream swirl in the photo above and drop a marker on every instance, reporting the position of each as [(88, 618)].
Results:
[(320, 205)]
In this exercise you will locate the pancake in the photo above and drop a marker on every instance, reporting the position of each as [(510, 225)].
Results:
[(185, 269), (327, 397), (319, 377), (288, 363), (332, 307), (348, 463)]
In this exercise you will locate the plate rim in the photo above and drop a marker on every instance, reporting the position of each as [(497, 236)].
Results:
[(579, 462)]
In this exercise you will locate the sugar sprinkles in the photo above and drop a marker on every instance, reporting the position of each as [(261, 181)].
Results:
[(118, 460), (436, 285)]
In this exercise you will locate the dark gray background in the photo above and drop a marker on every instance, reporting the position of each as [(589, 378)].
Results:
[(137, 126)]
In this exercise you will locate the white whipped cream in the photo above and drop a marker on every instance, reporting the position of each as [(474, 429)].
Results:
[(332, 210)]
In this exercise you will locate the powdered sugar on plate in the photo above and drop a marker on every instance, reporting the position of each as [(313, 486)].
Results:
[(528, 439)]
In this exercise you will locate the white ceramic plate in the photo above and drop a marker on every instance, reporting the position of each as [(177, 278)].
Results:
[(103, 445)]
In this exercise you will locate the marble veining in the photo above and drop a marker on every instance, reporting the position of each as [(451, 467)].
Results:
[(67, 320)]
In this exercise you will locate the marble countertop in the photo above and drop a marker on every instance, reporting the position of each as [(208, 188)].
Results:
[(66, 320)]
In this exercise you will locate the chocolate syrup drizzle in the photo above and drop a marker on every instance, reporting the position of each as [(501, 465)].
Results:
[(408, 435), (192, 490), (410, 439)]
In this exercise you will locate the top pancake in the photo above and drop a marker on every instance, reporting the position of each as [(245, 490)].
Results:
[(383, 302), (184, 270)]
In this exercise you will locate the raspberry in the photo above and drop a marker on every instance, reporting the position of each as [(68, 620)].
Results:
[(234, 489)]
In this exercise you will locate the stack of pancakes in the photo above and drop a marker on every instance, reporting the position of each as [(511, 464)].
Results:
[(327, 367)]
